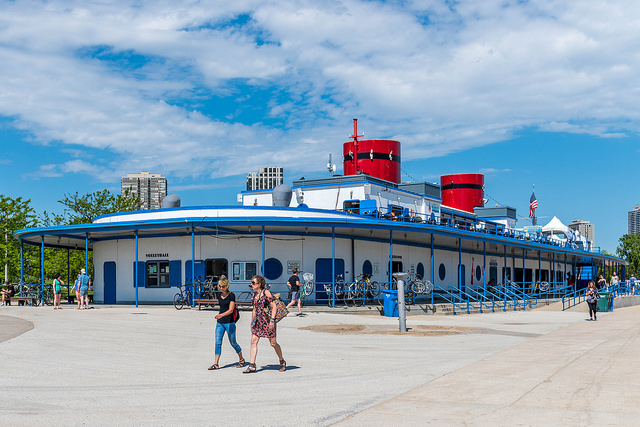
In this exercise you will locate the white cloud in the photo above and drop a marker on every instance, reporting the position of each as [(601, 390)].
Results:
[(139, 81)]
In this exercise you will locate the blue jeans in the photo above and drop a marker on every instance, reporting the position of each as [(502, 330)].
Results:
[(230, 328)]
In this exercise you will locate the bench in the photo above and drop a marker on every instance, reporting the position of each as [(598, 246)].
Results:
[(21, 300), (214, 302)]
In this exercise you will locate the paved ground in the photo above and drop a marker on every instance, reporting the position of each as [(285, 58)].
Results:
[(147, 366)]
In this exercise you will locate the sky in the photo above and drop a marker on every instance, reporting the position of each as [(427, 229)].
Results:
[(539, 92)]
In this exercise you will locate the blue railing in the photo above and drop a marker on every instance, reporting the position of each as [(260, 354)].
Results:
[(407, 215)]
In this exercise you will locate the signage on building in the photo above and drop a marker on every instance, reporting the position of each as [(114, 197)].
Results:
[(158, 255), (291, 265)]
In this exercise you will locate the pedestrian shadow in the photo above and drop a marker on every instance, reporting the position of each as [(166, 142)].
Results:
[(277, 368)]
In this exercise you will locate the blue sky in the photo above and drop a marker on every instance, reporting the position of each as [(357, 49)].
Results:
[(537, 92)]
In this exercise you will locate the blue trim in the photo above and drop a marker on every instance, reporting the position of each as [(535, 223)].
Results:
[(347, 221)]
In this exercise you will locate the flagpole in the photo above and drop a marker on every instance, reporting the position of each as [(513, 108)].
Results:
[(534, 220)]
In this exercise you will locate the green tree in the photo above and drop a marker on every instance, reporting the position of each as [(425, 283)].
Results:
[(15, 214), (81, 210), (629, 250)]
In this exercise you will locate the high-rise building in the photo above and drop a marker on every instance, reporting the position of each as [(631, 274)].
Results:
[(633, 220), (269, 177), (585, 228), (151, 188)]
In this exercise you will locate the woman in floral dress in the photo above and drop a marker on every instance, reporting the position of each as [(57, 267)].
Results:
[(263, 323)]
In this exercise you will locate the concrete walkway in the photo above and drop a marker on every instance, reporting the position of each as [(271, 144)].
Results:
[(147, 366)]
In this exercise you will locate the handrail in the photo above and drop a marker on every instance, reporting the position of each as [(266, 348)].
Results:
[(455, 296), (399, 213), (571, 298)]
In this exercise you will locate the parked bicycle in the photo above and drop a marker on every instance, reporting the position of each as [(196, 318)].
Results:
[(183, 297), (339, 288), (39, 293), (416, 284), (307, 287)]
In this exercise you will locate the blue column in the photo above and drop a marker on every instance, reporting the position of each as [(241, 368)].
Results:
[(459, 264), (553, 267), (193, 266), (42, 269), (86, 253), (575, 277), (504, 270), (390, 259), (484, 268), (262, 269), (524, 254), (432, 272), (539, 278), (136, 268), (565, 271), (21, 266), (333, 266)]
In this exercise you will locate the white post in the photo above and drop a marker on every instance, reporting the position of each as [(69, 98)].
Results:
[(402, 315)]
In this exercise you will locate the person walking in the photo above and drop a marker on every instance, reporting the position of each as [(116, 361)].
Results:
[(76, 288), (263, 324), (57, 291), (294, 286), (614, 282), (226, 323), (84, 289), (592, 300), (602, 284)]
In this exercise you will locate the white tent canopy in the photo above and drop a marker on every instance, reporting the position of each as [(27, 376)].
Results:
[(556, 226)]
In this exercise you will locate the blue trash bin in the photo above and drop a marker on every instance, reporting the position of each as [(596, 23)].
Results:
[(390, 303)]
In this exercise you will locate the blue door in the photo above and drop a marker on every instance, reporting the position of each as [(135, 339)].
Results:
[(323, 275), (109, 270)]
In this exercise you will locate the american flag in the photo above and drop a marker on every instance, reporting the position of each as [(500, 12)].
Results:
[(533, 205)]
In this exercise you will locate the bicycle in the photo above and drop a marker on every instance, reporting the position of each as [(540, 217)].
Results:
[(307, 288), (338, 289), (371, 288), (419, 286), (183, 297)]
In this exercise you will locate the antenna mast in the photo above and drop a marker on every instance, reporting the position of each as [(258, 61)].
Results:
[(355, 137)]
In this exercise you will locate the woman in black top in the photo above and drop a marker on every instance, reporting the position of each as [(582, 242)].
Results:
[(227, 302)]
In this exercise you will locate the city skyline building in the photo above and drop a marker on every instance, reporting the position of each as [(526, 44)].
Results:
[(585, 228), (633, 220), (151, 188), (265, 178)]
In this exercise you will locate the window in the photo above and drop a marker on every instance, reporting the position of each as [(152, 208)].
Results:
[(352, 206), (157, 274), (442, 272), (478, 273), (216, 268), (244, 270)]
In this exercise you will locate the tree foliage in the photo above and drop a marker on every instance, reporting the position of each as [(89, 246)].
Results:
[(15, 214), (629, 250), (83, 209)]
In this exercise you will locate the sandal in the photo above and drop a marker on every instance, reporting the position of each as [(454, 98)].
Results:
[(250, 369), (283, 365), (240, 363), (213, 367)]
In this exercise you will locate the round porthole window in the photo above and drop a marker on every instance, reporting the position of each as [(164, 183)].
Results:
[(367, 268), (442, 272), (272, 269), (478, 273), (420, 270)]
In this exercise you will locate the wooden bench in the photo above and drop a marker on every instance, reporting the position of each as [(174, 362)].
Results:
[(214, 302), (21, 300)]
